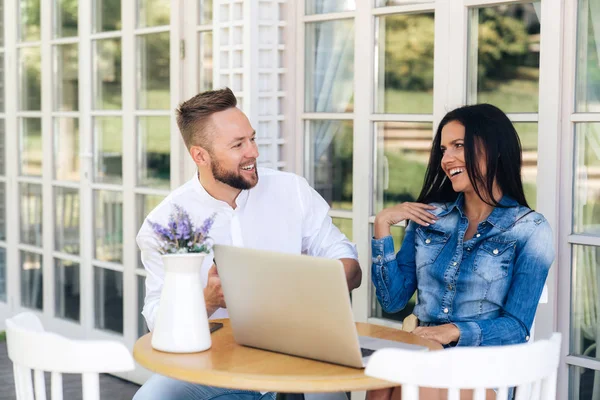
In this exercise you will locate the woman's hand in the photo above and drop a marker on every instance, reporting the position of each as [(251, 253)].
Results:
[(443, 334), (417, 212)]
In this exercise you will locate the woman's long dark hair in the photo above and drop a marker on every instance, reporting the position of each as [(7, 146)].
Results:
[(487, 129)]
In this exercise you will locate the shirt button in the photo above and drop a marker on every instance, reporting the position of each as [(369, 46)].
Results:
[(468, 249), (495, 251), (378, 258), (479, 234), (445, 311), (428, 241), (526, 337), (454, 263), (449, 287)]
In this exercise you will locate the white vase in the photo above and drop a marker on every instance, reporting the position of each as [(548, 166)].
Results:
[(181, 323)]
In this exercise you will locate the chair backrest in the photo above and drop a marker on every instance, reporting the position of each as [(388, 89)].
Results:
[(531, 367), (31, 349)]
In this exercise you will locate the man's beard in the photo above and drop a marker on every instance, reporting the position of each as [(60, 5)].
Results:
[(233, 179)]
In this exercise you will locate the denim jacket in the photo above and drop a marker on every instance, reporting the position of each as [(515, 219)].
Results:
[(488, 286)]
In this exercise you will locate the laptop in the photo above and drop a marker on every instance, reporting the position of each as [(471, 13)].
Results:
[(293, 304)]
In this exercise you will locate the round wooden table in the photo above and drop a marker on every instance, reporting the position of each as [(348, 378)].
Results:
[(227, 364)]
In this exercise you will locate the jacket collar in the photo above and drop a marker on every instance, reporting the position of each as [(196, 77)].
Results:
[(501, 217)]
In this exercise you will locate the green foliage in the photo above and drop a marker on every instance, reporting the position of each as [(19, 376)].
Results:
[(405, 178), (409, 52), (502, 41)]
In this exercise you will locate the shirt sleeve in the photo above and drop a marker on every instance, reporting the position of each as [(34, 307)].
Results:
[(531, 269), (151, 258), (394, 276), (320, 237)]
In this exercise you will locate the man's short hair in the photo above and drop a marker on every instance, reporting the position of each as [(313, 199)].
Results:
[(193, 115)]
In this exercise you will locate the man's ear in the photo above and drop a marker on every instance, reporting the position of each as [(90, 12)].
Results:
[(200, 155)]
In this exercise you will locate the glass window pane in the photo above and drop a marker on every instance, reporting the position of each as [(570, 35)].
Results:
[(66, 81), (385, 3), (2, 76), (32, 280), (505, 47), (30, 201), (154, 149), (108, 150), (153, 13), (344, 225), (65, 18), (588, 57), (29, 20), (2, 146), (330, 161), (205, 8), (584, 301), (205, 61), (66, 220), (583, 383), (67, 286), (329, 6), (405, 58), (106, 15), (108, 227), (3, 274), (398, 236), (108, 299), (2, 211), (586, 213), (141, 287), (107, 74), (30, 89), (153, 71), (329, 85), (401, 157), (528, 134), (30, 147), (145, 204), (66, 149)]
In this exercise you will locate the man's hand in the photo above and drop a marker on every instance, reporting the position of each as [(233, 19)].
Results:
[(443, 334), (353, 272), (213, 292)]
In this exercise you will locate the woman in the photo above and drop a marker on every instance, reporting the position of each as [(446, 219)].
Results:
[(477, 255)]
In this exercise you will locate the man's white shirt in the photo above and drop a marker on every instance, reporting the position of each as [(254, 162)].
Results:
[(281, 213)]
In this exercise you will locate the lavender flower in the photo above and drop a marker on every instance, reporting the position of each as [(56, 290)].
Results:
[(180, 235)]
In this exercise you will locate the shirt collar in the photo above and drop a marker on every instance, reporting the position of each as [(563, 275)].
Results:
[(501, 217), (205, 197)]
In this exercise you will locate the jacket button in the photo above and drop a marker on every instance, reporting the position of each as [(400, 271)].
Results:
[(445, 311), (378, 258), (495, 251), (479, 234), (526, 337), (449, 287), (454, 264), (428, 241)]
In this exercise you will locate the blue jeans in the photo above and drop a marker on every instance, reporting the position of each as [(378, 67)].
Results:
[(160, 387)]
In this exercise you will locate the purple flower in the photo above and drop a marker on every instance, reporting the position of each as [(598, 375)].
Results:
[(180, 235), (208, 222)]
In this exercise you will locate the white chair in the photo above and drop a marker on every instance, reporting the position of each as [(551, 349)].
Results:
[(30, 348), (531, 367)]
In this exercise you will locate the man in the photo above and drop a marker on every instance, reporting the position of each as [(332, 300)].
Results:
[(278, 212)]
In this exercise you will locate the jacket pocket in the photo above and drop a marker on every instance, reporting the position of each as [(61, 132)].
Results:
[(429, 243), (493, 259)]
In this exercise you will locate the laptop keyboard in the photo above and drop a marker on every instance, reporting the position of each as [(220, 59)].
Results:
[(366, 352)]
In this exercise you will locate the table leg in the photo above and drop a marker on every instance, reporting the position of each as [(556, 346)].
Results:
[(289, 396)]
